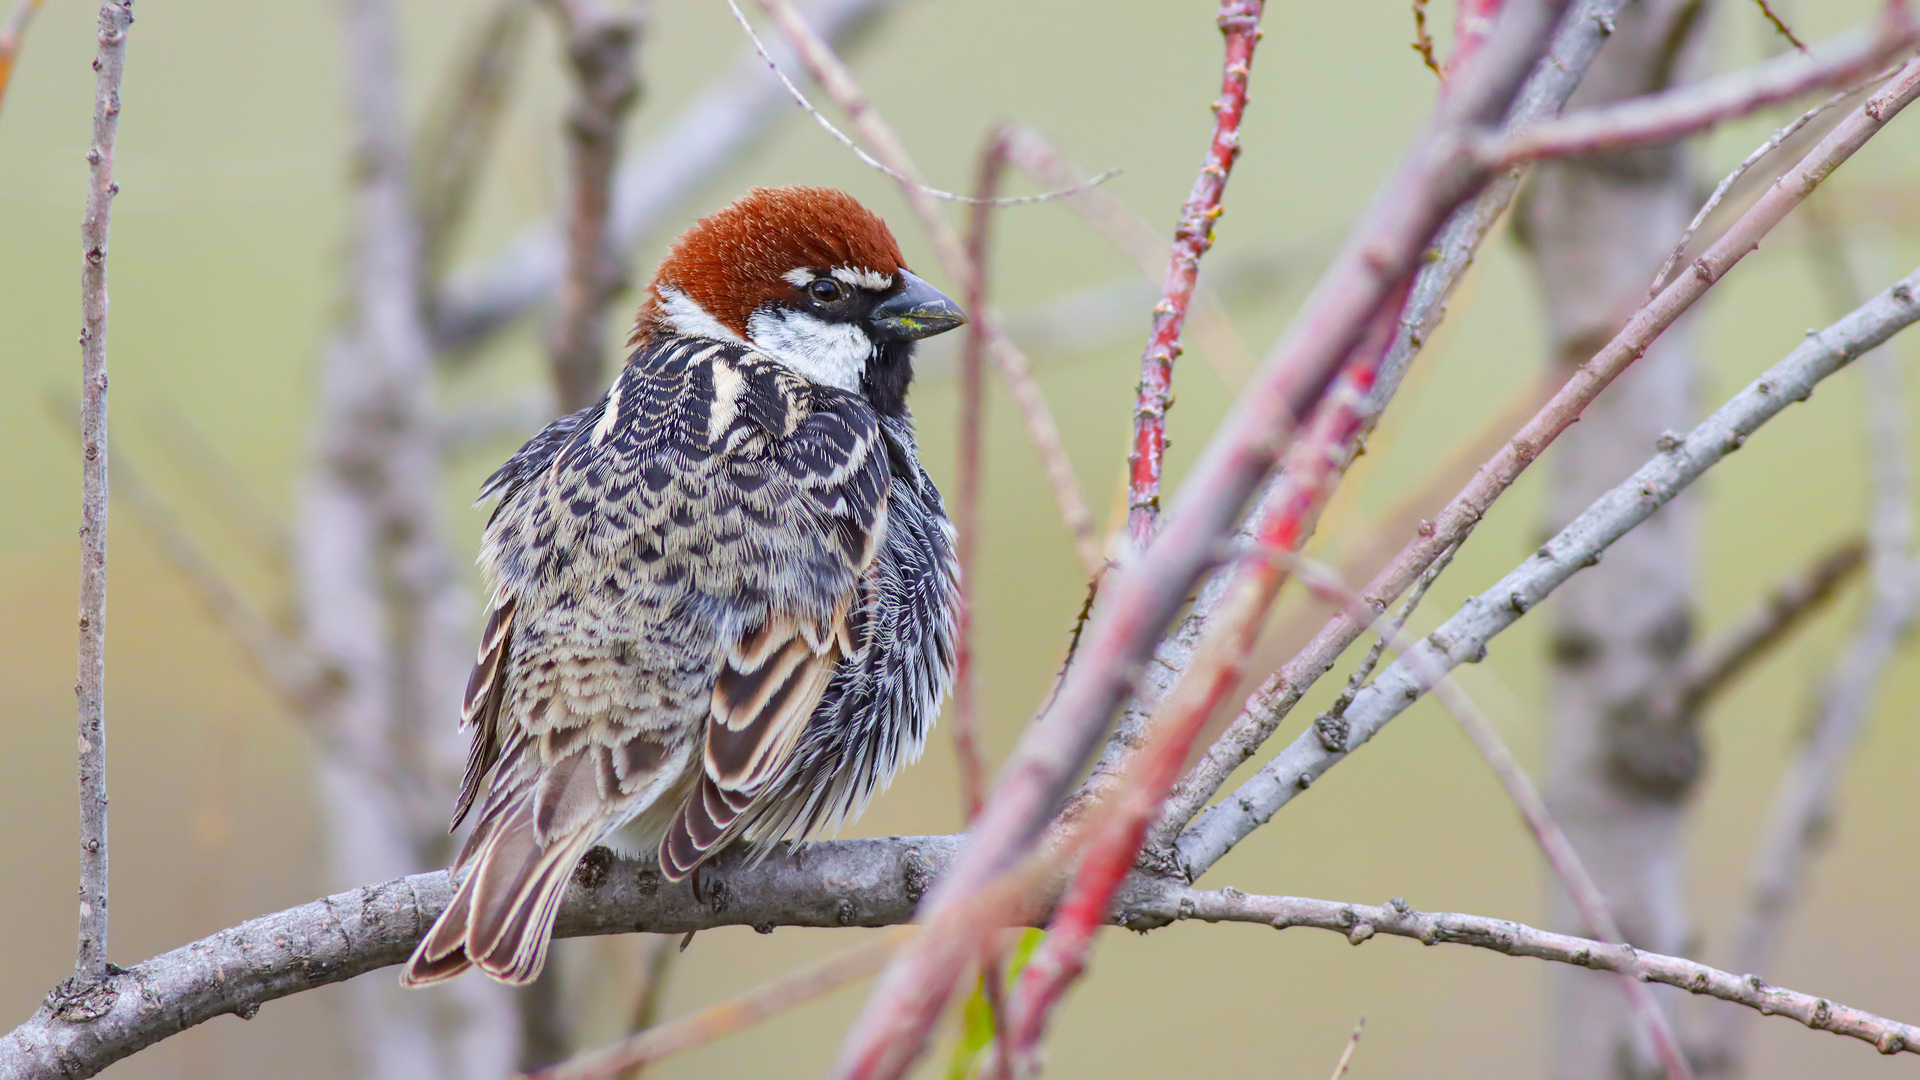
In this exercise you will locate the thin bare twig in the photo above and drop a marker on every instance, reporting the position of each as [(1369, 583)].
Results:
[(1780, 26), (1720, 191), (833, 76), (743, 1010), (966, 501), (1801, 816), (1353, 1041), (882, 167), (1686, 110), (303, 681), (90, 962), (1713, 665), (1032, 153), (1465, 637), (602, 45), (1422, 44), (12, 35), (1277, 696), (1239, 23), (453, 140)]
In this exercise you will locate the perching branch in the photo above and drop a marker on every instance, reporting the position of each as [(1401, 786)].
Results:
[(88, 992), (1464, 637), (1239, 22), (833, 883)]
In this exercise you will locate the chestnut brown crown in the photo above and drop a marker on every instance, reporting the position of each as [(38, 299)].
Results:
[(737, 259)]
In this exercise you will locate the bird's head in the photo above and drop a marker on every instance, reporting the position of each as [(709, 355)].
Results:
[(809, 277)]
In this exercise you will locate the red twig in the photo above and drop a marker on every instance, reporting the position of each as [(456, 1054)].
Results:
[(966, 503), (1239, 22), (1117, 833), (1472, 21)]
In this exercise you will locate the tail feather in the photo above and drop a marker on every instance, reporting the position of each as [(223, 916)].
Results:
[(502, 914)]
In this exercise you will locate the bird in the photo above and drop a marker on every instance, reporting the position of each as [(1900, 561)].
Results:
[(723, 597)]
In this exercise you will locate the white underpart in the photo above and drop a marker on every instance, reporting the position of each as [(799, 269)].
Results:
[(829, 353), (863, 279), (690, 319)]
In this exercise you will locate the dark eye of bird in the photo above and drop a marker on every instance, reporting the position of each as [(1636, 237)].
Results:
[(826, 290)]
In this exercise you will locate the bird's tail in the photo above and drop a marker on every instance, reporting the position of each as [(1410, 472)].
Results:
[(501, 917)]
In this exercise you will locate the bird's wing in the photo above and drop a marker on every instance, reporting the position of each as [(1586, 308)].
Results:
[(773, 675)]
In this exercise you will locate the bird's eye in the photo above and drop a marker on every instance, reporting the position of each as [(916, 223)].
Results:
[(826, 290)]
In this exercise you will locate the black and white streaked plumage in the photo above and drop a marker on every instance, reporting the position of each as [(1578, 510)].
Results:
[(724, 597)]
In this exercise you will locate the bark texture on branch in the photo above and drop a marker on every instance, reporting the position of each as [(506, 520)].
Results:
[(1619, 770), (862, 883), (90, 957)]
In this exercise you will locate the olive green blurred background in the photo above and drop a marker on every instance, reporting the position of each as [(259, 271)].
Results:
[(227, 246)]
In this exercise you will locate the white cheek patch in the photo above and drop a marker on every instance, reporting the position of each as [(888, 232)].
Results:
[(689, 319), (829, 353), (863, 279)]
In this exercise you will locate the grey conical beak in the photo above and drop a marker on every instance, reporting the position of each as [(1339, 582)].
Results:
[(918, 310)]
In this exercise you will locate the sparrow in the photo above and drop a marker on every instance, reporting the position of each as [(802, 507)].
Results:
[(723, 597)]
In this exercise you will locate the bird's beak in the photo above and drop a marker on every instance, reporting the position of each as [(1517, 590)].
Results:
[(918, 310)]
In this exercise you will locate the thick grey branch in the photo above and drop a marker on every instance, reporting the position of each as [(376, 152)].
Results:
[(1464, 637), (865, 883)]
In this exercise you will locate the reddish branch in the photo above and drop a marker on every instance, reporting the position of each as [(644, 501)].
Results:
[(1472, 21), (1239, 22), (1281, 691), (1118, 830)]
